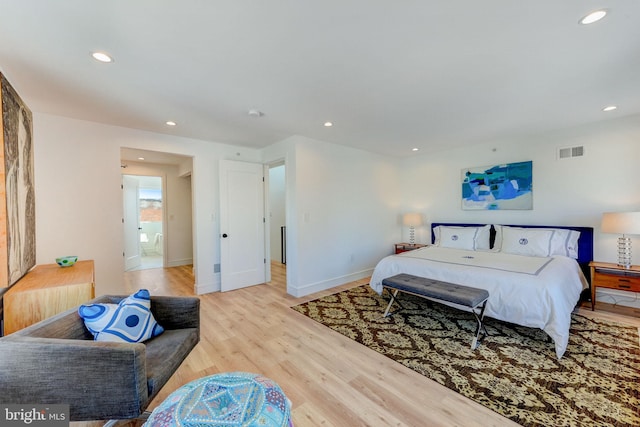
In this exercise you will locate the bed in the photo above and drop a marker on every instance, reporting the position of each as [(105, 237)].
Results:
[(534, 274)]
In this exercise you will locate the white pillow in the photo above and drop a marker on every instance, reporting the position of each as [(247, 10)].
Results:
[(526, 241), (564, 242), (497, 241), (458, 238), (436, 235), (482, 239)]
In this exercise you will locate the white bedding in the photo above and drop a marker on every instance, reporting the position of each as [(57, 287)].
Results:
[(529, 291)]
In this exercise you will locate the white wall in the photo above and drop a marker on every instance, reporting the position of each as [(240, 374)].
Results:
[(341, 217), (342, 205), (79, 201), (177, 203), (573, 191)]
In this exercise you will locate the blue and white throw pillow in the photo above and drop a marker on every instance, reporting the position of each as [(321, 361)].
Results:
[(129, 321)]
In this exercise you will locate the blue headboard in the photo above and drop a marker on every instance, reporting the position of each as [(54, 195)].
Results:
[(585, 241)]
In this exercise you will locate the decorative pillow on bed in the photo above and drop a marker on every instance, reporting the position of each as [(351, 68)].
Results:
[(564, 242), (481, 240), (497, 240), (526, 241), (458, 237), (129, 321)]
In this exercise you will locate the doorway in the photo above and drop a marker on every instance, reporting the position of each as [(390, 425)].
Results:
[(164, 236), (144, 235), (277, 224)]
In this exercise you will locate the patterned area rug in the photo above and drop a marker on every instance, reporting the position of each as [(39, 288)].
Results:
[(514, 371)]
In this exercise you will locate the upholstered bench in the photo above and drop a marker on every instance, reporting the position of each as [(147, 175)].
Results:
[(474, 298)]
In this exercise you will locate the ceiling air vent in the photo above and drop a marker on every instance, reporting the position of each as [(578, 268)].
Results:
[(566, 153)]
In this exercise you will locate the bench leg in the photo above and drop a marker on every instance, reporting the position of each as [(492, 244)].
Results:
[(393, 299), (480, 328)]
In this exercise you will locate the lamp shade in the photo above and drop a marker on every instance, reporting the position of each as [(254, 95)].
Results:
[(621, 222), (412, 219)]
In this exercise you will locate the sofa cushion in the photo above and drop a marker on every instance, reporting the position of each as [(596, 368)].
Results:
[(130, 320)]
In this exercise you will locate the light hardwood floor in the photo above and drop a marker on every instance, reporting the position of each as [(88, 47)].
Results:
[(330, 379)]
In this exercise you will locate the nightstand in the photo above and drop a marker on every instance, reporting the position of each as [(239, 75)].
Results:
[(612, 276), (404, 247)]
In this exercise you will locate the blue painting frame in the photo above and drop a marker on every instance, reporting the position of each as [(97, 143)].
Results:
[(501, 187)]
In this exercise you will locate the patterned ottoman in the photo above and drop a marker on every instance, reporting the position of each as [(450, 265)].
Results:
[(229, 399)]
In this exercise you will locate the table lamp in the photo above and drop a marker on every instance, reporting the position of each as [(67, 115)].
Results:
[(412, 220), (622, 223)]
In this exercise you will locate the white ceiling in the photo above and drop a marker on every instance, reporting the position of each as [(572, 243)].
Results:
[(391, 75)]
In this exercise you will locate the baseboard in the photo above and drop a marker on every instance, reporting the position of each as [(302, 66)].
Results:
[(179, 262), (328, 284), (205, 288)]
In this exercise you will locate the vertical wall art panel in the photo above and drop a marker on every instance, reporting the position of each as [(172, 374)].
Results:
[(499, 187), (17, 204)]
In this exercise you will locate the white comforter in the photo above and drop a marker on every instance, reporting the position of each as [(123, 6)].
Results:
[(529, 291)]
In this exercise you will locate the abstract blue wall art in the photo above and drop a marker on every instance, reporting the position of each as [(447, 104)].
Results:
[(501, 187)]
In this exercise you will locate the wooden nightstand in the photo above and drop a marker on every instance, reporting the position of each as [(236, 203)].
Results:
[(612, 276), (404, 247)]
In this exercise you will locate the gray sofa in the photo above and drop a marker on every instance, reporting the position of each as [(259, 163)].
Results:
[(57, 361)]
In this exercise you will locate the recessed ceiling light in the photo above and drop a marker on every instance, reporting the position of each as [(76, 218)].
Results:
[(593, 17), (102, 57), (328, 124), (140, 158), (170, 123), (414, 149), (609, 108)]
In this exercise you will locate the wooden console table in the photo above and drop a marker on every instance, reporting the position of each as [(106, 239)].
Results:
[(46, 290)]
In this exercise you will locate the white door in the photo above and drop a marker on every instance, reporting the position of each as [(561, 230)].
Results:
[(242, 224), (131, 222)]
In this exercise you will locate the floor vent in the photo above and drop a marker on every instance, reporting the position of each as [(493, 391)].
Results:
[(566, 153)]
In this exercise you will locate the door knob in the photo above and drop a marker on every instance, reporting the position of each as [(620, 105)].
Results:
[(225, 235)]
